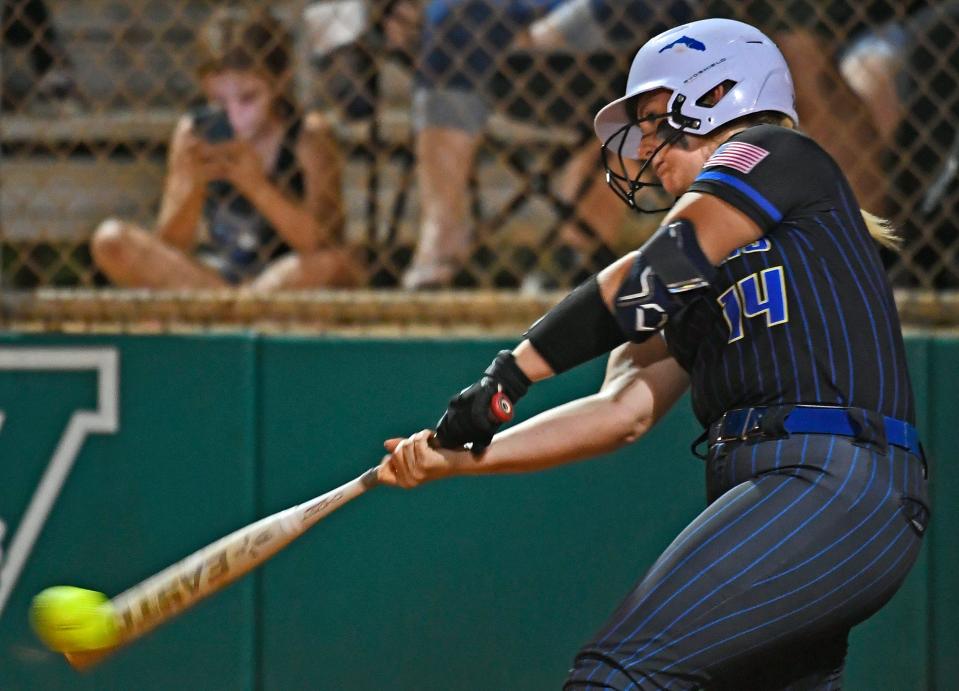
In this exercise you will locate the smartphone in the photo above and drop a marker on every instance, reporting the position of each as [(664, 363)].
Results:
[(212, 124)]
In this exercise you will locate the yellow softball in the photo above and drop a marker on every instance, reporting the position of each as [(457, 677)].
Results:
[(70, 620)]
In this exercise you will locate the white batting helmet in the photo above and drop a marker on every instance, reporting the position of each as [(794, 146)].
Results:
[(691, 60)]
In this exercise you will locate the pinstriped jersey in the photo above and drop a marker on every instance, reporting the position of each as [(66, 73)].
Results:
[(803, 315)]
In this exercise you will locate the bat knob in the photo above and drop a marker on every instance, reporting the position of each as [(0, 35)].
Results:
[(501, 407)]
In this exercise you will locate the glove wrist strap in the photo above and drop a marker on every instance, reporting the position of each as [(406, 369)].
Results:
[(506, 372)]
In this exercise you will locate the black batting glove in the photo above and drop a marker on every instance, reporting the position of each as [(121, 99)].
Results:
[(476, 412)]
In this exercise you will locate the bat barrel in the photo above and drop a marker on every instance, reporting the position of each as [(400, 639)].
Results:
[(161, 597)]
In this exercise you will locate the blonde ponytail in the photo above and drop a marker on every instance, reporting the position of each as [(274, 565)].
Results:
[(881, 230)]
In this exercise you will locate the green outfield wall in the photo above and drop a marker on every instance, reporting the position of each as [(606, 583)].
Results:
[(121, 454)]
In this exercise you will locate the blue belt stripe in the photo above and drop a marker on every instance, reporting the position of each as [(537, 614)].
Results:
[(820, 420)]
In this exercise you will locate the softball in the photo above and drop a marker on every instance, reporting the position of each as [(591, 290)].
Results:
[(69, 619)]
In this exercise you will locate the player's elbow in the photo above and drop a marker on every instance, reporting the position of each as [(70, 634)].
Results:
[(636, 429), (629, 407), (629, 420)]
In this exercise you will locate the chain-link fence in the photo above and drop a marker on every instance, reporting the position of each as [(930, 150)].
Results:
[(400, 143)]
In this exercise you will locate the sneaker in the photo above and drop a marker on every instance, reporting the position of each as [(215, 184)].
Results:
[(429, 276)]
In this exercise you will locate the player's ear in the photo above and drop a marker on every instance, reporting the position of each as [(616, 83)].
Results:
[(715, 95)]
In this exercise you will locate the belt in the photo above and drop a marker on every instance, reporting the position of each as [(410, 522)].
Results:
[(747, 423)]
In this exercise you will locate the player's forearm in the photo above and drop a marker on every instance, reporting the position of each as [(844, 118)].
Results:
[(578, 430), (531, 362), (292, 221), (177, 225)]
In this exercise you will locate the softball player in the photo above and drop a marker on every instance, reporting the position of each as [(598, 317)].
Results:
[(763, 291)]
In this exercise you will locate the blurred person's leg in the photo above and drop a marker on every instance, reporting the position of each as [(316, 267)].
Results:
[(831, 112), (444, 160), (597, 32), (583, 28), (332, 268), (870, 65), (596, 205), (462, 43), (132, 257), (574, 26)]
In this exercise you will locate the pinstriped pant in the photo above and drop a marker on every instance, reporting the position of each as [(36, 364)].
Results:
[(803, 538)]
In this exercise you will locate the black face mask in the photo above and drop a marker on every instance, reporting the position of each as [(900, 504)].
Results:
[(618, 178)]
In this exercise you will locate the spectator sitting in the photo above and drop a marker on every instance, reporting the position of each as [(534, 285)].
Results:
[(252, 195), (464, 44)]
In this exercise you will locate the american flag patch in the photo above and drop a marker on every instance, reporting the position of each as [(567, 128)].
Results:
[(738, 156)]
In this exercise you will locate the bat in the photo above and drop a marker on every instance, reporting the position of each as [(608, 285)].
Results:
[(163, 596)]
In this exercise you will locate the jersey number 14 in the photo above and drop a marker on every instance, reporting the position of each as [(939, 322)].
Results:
[(759, 294)]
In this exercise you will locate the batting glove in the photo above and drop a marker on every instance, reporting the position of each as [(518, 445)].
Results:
[(476, 412)]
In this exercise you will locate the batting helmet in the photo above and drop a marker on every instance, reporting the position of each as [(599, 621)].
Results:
[(690, 61)]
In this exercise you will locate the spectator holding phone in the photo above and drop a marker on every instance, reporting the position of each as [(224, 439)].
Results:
[(252, 195)]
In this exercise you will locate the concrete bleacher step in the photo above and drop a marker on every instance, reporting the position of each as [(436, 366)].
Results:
[(64, 199), (151, 126)]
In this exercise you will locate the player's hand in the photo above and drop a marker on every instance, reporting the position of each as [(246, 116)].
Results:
[(475, 413), (200, 161), (241, 165), (413, 461)]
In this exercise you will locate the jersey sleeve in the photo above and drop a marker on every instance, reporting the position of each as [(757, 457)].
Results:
[(767, 172)]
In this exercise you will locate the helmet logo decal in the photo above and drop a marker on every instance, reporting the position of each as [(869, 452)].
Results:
[(685, 41), (705, 69)]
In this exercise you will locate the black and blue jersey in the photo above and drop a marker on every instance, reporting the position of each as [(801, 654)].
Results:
[(803, 315)]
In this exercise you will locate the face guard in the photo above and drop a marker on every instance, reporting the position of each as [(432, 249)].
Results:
[(614, 159)]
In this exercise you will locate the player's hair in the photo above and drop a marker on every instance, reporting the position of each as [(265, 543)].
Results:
[(880, 229), (241, 38)]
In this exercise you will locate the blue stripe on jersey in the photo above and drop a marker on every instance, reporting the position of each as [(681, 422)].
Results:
[(876, 282), (730, 276), (866, 241), (746, 189), (825, 324), (872, 318), (772, 344), (792, 351), (752, 341), (827, 273), (805, 327), (842, 324)]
